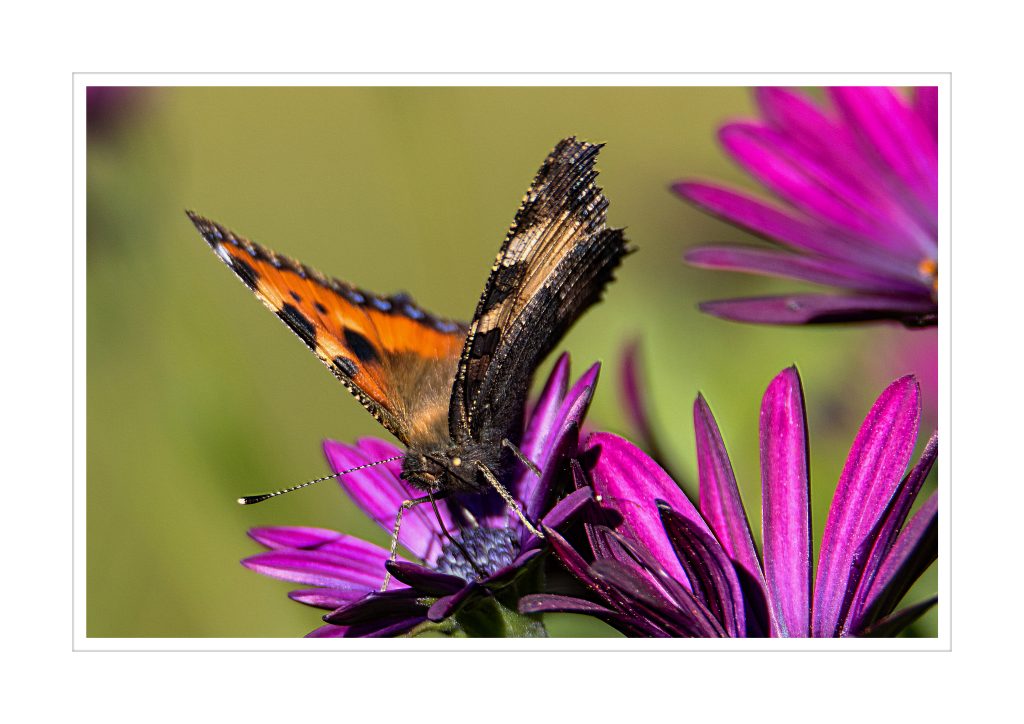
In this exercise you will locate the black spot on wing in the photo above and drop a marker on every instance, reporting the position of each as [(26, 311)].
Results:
[(320, 308), (360, 346), (295, 296), (506, 279), (245, 272), (484, 343), (345, 365), (299, 324)]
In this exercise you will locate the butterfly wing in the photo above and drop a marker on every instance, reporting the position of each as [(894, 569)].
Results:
[(398, 360), (555, 262)]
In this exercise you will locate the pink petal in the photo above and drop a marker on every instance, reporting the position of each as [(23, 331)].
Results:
[(811, 186), (328, 631), (874, 468), (785, 505), (316, 568), (796, 116), (329, 598), (631, 483), (379, 494), (926, 105), (294, 536), (561, 442), (883, 538), (767, 221), (720, 501), (916, 547), (899, 137), (823, 309), (542, 417), (819, 270)]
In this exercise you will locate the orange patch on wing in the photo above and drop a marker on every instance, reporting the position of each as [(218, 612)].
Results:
[(359, 336)]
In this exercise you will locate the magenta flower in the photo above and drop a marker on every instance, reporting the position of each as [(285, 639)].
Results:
[(859, 190), (440, 588), (661, 567)]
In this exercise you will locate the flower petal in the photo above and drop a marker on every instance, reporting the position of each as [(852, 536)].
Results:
[(819, 270), (384, 628), (294, 536), (814, 187), (629, 482), (694, 621), (355, 551), (900, 139), (709, 569), (635, 398), (562, 442), (824, 309), (874, 467), (446, 606), (328, 631), (879, 543), (542, 418), (800, 120), (567, 507), (425, 579), (507, 573), (579, 568), (894, 623), (563, 446), (315, 568), (926, 104), (329, 598), (378, 606), (574, 407), (824, 136), (641, 562), (536, 603), (768, 222), (915, 549), (720, 502), (785, 505), (379, 494)]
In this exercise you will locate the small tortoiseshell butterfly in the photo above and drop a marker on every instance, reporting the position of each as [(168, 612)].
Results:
[(453, 393)]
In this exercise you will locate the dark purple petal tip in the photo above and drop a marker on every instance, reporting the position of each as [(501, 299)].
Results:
[(425, 579)]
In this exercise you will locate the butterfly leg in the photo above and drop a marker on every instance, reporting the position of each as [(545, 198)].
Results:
[(507, 497), (406, 504), (462, 549), (521, 455)]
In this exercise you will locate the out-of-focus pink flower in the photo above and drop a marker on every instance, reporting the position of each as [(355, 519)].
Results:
[(858, 186)]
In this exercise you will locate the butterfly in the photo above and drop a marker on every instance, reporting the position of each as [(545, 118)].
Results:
[(453, 393)]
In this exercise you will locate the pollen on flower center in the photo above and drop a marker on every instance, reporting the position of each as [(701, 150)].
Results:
[(490, 548), (929, 269)]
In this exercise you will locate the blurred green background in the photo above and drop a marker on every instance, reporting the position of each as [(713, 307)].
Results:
[(197, 395)]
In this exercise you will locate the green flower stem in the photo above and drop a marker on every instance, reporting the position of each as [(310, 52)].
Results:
[(492, 619)]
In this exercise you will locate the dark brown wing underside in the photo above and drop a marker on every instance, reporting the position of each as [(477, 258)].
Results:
[(555, 262)]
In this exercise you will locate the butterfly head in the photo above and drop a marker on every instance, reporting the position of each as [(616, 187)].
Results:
[(456, 468)]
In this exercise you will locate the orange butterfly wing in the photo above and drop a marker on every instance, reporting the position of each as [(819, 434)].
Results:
[(397, 359)]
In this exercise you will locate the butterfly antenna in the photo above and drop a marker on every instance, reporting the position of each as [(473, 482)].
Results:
[(253, 499)]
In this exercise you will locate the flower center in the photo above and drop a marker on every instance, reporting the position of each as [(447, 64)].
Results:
[(929, 269), (490, 548)]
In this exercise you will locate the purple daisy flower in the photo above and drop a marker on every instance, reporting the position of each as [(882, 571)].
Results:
[(859, 188), (439, 588), (661, 567)]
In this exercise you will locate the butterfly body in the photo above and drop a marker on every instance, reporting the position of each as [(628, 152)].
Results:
[(453, 393)]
